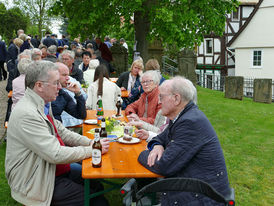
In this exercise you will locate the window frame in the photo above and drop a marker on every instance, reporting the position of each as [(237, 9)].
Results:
[(252, 58), (235, 18), (205, 43)]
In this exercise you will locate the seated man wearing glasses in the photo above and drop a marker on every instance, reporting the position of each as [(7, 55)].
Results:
[(40, 149), (64, 102), (188, 147)]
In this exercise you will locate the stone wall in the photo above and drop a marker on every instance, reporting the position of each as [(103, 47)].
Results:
[(234, 87), (262, 90), (156, 51), (187, 62), (120, 59)]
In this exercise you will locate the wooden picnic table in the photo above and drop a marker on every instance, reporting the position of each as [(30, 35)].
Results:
[(119, 162)]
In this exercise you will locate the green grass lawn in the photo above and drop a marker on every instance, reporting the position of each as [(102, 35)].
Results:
[(246, 133)]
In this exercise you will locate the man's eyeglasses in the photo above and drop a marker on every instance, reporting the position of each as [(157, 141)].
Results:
[(161, 96), (56, 83), (146, 82)]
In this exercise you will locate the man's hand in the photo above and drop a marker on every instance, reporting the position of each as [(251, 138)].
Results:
[(133, 117), (105, 145), (156, 153), (73, 87), (141, 133), (123, 89)]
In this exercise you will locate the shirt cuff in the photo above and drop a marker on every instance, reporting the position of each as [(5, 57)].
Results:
[(150, 136), (150, 146)]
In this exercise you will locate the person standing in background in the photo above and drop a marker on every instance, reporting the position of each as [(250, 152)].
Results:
[(3, 57)]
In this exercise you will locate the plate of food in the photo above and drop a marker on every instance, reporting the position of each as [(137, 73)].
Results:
[(90, 121), (128, 140)]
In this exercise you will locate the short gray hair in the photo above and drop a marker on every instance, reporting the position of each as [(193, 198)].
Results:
[(39, 70), (26, 52), (71, 54), (35, 53), (52, 49), (184, 87), (153, 74), (23, 65)]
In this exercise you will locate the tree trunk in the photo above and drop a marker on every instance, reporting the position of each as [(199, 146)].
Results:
[(142, 28)]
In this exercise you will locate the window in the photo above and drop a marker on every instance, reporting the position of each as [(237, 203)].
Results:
[(257, 58), (208, 46), (235, 15)]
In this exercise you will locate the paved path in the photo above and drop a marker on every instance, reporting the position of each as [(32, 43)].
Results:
[(3, 107)]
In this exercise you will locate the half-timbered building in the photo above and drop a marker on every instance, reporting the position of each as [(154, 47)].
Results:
[(213, 55)]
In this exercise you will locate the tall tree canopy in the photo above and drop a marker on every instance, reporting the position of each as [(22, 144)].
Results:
[(37, 10), (11, 20), (179, 22)]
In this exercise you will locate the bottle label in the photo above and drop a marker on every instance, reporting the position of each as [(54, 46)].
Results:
[(96, 156), (103, 124)]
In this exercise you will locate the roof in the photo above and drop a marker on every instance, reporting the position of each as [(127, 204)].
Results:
[(245, 24), (248, 2)]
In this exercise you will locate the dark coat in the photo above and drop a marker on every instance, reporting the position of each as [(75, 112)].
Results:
[(49, 41), (64, 102), (105, 52), (13, 52), (123, 80), (3, 51), (13, 73), (51, 58), (192, 150), (77, 74), (24, 46)]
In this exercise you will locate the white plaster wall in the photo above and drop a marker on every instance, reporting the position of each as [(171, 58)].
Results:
[(244, 61), (208, 60), (260, 30), (217, 45), (247, 11), (215, 58), (200, 60), (235, 26), (201, 48)]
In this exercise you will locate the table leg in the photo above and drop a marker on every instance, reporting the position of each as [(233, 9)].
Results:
[(87, 192)]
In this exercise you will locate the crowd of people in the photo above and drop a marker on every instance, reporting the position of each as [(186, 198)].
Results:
[(43, 156)]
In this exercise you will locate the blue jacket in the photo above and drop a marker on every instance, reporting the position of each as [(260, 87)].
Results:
[(3, 51), (13, 52), (192, 150), (64, 102)]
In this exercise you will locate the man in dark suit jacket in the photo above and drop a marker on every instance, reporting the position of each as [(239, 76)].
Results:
[(3, 57), (188, 147), (50, 41)]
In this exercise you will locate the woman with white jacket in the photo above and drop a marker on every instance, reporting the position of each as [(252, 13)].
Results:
[(89, 73), (102, 86)]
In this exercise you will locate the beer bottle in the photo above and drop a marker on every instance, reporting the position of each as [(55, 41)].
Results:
[(118, 105), (97, 150), (103, 131), (100, 111)]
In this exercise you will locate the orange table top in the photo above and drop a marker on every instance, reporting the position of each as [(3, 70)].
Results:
[(121, 159)]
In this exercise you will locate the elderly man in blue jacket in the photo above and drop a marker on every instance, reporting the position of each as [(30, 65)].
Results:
[(188, 147)]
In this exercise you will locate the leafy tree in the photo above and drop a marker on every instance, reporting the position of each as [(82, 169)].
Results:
[(179, 22), (37, 10), (12, 20)]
